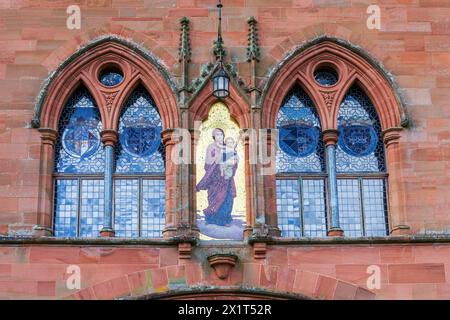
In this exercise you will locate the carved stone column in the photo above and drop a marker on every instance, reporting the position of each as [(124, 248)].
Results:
[(173, 216), (45, 203), (109, 139), (195, 136), (394, 162), (268, 172)]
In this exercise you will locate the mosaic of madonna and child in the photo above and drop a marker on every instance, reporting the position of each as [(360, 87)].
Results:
[(220, 178)]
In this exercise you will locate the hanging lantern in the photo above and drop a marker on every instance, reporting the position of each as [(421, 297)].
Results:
[(221, 84)]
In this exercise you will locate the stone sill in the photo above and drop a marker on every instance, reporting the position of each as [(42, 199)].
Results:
[(404, 239), (92, 241), (276, 241)]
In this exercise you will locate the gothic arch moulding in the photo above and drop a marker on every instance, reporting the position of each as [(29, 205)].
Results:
[(138, 66), (140, 285), (239, 111), (352, 66), (236, 102)]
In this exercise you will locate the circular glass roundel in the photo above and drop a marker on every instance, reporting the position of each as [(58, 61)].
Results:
[(81, 138), (140, 141), (358, 139), (298, 140), (111, 77), (326, 77)]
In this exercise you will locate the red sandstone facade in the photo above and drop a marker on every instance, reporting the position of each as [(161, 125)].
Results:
[(404, 68)]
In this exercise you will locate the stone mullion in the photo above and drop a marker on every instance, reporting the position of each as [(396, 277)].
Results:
[(330, 138), (109, 139)]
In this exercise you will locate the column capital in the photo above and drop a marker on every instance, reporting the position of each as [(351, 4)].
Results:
[(391, 135), (107, 233), (335, 232), (109, 137), (400, 230), (48, 136), (195, 134), (330, 136), (167, 137)]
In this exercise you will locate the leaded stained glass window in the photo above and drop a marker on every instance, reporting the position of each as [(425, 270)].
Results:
[(79, 166), (78, 149), (300, 142), (140, 149), (360, 146), (139, 186), (360, 165), (326, 77), (301, 193), (111, 79)]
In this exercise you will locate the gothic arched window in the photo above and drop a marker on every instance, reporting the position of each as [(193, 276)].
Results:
[(139, 183), (79, 168), (360, 166), (300, 163)]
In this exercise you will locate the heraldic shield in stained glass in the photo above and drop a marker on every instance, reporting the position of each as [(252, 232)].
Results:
[(299, 137), (220, 170), (79, 150), (360, 146), (140, 149)]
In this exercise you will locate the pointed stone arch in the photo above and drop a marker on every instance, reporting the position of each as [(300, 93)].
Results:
[(174, 282), (351, 63), (236, 102), (353, 66), (137, 64), (239, 108)]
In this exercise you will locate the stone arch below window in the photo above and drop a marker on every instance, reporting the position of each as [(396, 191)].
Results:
[(173, 282)]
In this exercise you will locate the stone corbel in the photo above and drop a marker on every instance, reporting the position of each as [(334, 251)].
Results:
[(222, 264)]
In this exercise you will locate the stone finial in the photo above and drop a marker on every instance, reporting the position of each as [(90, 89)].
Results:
[(253, 52), (218, 49), (184, 51)]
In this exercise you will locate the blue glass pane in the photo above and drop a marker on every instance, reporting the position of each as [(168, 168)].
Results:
[(375, 207), (126, 207), (66, 208), (326, 78), (111, 78), (288, 208), (153, 208), (350, 215), (140, 149), (314, 208), (78, 149), (92, 207), (360, 146), (300, 139)]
